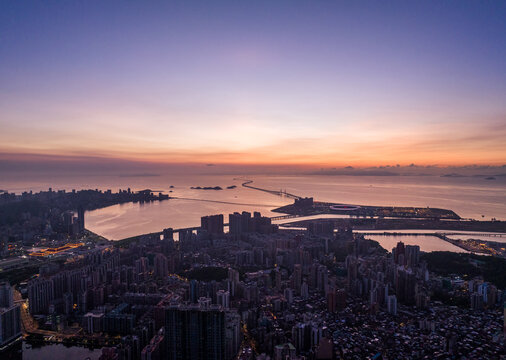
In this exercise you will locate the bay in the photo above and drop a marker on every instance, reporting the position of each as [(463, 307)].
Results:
[(469, 197)]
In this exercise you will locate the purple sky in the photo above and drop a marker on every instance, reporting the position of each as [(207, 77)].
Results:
[(259, 82)]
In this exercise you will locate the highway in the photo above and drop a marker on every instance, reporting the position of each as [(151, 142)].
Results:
[(30, 326)]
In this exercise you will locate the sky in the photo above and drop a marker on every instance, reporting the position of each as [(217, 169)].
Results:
[(288, 83)]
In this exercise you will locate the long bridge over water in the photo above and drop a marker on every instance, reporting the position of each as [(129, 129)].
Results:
[(273, 192), (435, 233)]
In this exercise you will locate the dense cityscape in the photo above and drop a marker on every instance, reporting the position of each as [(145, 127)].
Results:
[(256, 291)]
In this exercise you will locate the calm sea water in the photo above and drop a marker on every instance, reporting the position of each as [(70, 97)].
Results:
[(59, 352), (470, 197), (426, 243)]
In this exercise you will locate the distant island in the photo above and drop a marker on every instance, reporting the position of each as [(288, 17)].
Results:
[(452, 175), (212, 187), (206, 188)]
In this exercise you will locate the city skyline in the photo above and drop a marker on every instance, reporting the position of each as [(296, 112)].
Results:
[(293, 83)]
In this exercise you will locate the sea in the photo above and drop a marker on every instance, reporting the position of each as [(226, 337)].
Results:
[(49, 351), (470, 197)]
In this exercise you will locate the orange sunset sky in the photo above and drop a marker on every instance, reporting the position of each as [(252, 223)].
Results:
[(317, 84)]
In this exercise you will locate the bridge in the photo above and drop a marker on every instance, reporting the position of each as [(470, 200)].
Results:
[(273, 192), (439, 234), (283, 217)]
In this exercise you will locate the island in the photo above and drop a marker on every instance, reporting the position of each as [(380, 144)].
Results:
[(307, 206), (206, 188)]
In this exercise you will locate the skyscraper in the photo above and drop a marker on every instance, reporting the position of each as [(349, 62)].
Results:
[(40, 294), (223, 298), (297, 277), (161, 266), (412, 255), (80, 218), (194, 333), (6, 299), (194, 291), (213, 224), (504, 324), (10, 317), (234, 223), (397, 252), (392, 304)]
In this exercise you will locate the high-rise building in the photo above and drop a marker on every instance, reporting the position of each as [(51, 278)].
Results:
[(194, 333), (93, 322), (246, 221), (213, 224), (261, 224), (10, 317), (322, 278), (331, 300), (288, 293), (223, 298), (398, 251), (194, 291), (352, 270), (304, 290), (504, 324), (233, 281), (161, 266), (232, 334), (6, 298), (392, 304), (476, 301), (405, 286), (239, 223), (40, 295), (336, 299), (412, 255), (68, 221), (4, 245), (234, 223), (297, 278), (80, 218), (141, 267), (278, 279)]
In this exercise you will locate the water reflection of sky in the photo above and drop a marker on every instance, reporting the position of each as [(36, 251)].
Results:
[(121, 221), (426, 243)]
